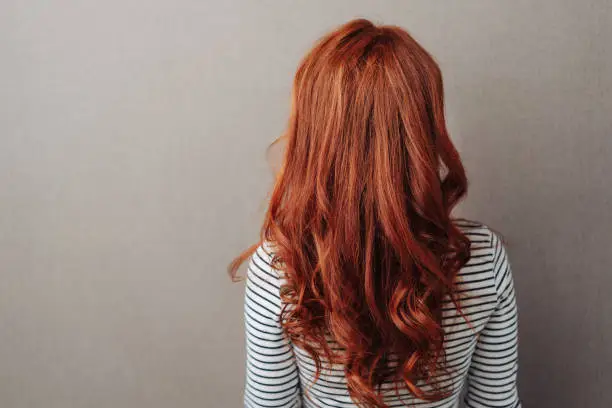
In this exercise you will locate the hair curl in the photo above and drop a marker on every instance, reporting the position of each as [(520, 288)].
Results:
[(359, 217)]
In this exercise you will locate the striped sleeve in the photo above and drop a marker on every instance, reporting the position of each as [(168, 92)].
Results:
[(492, 375), (271, 372)]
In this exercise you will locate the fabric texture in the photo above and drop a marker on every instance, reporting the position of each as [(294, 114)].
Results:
[(482, 359)]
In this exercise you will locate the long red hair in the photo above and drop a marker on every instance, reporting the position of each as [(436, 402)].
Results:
[(359, 217)]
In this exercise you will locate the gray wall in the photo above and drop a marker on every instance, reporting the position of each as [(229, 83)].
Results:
[(132, 139)]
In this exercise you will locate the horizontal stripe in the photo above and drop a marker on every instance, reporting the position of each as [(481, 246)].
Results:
[(480, 344)]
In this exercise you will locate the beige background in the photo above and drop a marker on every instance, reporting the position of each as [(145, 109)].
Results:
[(132, 140)]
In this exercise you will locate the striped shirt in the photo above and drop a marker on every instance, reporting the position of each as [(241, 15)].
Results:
[(482, 359)]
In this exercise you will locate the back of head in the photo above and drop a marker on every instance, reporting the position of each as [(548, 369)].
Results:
[(359, 217)]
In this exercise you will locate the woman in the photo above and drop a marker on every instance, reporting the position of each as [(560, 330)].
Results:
[(363, 290)]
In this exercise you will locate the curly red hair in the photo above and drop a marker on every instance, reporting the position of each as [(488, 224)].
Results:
[(359, 217)]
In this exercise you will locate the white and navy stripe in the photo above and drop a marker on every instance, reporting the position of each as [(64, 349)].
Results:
[(481, 359)]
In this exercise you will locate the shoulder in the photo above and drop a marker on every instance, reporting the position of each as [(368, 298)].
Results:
[(480, 235), (487, 246), (260, 265), (262, 284)]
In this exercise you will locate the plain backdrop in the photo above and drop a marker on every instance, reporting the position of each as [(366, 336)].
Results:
[(132, 169)]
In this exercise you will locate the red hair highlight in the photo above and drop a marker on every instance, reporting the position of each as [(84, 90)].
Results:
[(359, 217)]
